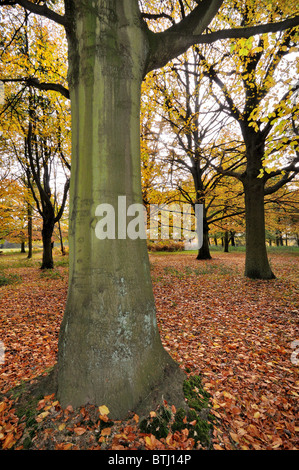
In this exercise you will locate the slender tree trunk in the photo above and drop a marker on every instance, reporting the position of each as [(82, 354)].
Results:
[(226, 241), (232, 238), (257, 264), (23, 247), (29, 229), (110, 350), (61, 239)]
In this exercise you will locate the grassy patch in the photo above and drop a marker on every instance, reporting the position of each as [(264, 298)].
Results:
[(6, 279), (195, 419)]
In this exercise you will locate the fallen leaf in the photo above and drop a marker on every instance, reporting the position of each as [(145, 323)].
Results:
[(103, 410), (79, 430)]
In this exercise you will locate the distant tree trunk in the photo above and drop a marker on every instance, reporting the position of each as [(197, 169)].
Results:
[(215, 240), (29, 228), (23, 247), (60, 238), (232, 238), (47, 233), (226, 241)]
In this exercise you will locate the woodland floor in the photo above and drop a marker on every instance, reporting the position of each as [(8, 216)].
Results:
[(236, 333)]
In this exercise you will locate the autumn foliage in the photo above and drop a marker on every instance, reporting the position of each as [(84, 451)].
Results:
[(236, 334)]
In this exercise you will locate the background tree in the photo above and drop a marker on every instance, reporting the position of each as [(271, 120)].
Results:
[(33, 125), (248, 80), (192, 123)]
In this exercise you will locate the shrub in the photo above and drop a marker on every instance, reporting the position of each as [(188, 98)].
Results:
[(165, 245)]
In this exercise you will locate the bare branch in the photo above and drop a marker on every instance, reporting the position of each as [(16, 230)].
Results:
[(34, 82), (178, 38), (42, 10)]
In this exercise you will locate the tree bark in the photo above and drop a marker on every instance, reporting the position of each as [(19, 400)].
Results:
[(110, 350), (29, 230), (204, 250), (257, 264), (226, 241), (47, 232)]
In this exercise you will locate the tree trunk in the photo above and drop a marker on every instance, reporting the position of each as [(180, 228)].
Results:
[(256, 264), (23, 247), (232, 238), (47, 232), (110, 350), (29, 230), (204, 250), (61, 239), (226, 241)]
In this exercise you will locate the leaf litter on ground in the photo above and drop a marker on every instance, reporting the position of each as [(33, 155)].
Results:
[(237, 334)]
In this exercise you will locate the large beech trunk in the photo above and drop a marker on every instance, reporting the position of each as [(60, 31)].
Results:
[(110, 352)]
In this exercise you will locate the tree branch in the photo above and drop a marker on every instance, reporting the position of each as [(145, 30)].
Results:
[(247, 31), (65, 192), (286, 178), (174, 41), (42, 10), (178, 38), (34, 82)]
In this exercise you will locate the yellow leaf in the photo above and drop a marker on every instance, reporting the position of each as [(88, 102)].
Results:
[(103, 410), (257, 415), (41, 416), (153, 414), (61, 427)]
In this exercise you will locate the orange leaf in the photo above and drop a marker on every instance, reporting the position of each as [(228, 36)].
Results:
[(2, 406), (235, 437), (79, 430), (106, 432), (9, 442)]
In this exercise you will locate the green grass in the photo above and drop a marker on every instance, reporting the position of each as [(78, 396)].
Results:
[(6, 279), (233, 249)]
